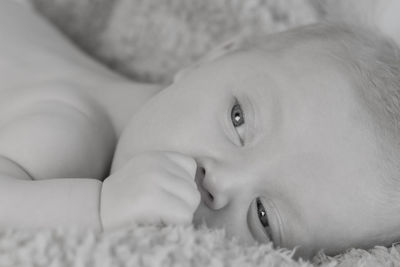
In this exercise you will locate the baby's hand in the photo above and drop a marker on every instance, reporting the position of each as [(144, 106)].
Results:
[(153, 187)]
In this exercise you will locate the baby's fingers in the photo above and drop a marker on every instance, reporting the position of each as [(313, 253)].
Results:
[(183, 189), (175, 211), (183, 161)]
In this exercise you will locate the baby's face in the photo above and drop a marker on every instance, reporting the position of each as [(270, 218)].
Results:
[(284, 127)]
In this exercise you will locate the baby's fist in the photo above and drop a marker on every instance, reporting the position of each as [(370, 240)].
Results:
[(153, 187)]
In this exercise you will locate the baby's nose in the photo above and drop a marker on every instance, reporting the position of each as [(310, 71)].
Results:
[(212, 192)]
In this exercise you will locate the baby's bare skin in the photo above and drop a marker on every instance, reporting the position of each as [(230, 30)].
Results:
[(61, 115)]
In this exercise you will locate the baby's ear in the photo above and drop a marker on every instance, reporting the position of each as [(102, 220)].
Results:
[(219, 51)]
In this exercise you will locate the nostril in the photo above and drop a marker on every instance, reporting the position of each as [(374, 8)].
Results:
[(211, 196)]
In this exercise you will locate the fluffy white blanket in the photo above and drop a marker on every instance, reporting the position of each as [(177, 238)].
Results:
[(150, 40), (168, 246)]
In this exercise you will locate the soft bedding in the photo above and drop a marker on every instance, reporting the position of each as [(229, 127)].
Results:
[(162, 246)]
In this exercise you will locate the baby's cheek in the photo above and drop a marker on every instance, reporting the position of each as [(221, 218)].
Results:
[(140, 135)]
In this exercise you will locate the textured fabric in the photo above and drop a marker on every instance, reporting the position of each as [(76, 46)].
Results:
[(169, 246), (150, 40)]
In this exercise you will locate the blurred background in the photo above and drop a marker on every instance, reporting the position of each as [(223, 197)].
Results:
[(149, 40)]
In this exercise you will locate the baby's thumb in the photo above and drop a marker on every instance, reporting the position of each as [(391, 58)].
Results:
[(186, 162)]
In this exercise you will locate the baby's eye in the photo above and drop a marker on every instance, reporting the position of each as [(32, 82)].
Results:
[(263, 217), (258, 220), (237, 115)]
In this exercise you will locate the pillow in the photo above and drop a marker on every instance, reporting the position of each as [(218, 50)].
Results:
[(151, 40)]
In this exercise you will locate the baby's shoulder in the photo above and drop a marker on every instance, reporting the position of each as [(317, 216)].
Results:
[(54, 130)]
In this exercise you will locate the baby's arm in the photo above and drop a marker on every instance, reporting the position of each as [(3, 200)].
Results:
[(53, 142), (50, 137), (42, 146), (154, 187), (47, 203)]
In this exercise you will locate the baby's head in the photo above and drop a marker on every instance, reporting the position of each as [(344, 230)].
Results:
[(296, 138)]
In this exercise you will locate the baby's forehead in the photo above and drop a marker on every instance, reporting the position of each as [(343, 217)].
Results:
[(307, 71), (304, 74), (305, 62), (289, 52), (318, 60)]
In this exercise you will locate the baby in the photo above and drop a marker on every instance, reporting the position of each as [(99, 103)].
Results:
[(292, 138)]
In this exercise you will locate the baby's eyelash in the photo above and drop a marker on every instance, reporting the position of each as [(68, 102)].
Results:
[(237, 120), (237, 115)]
